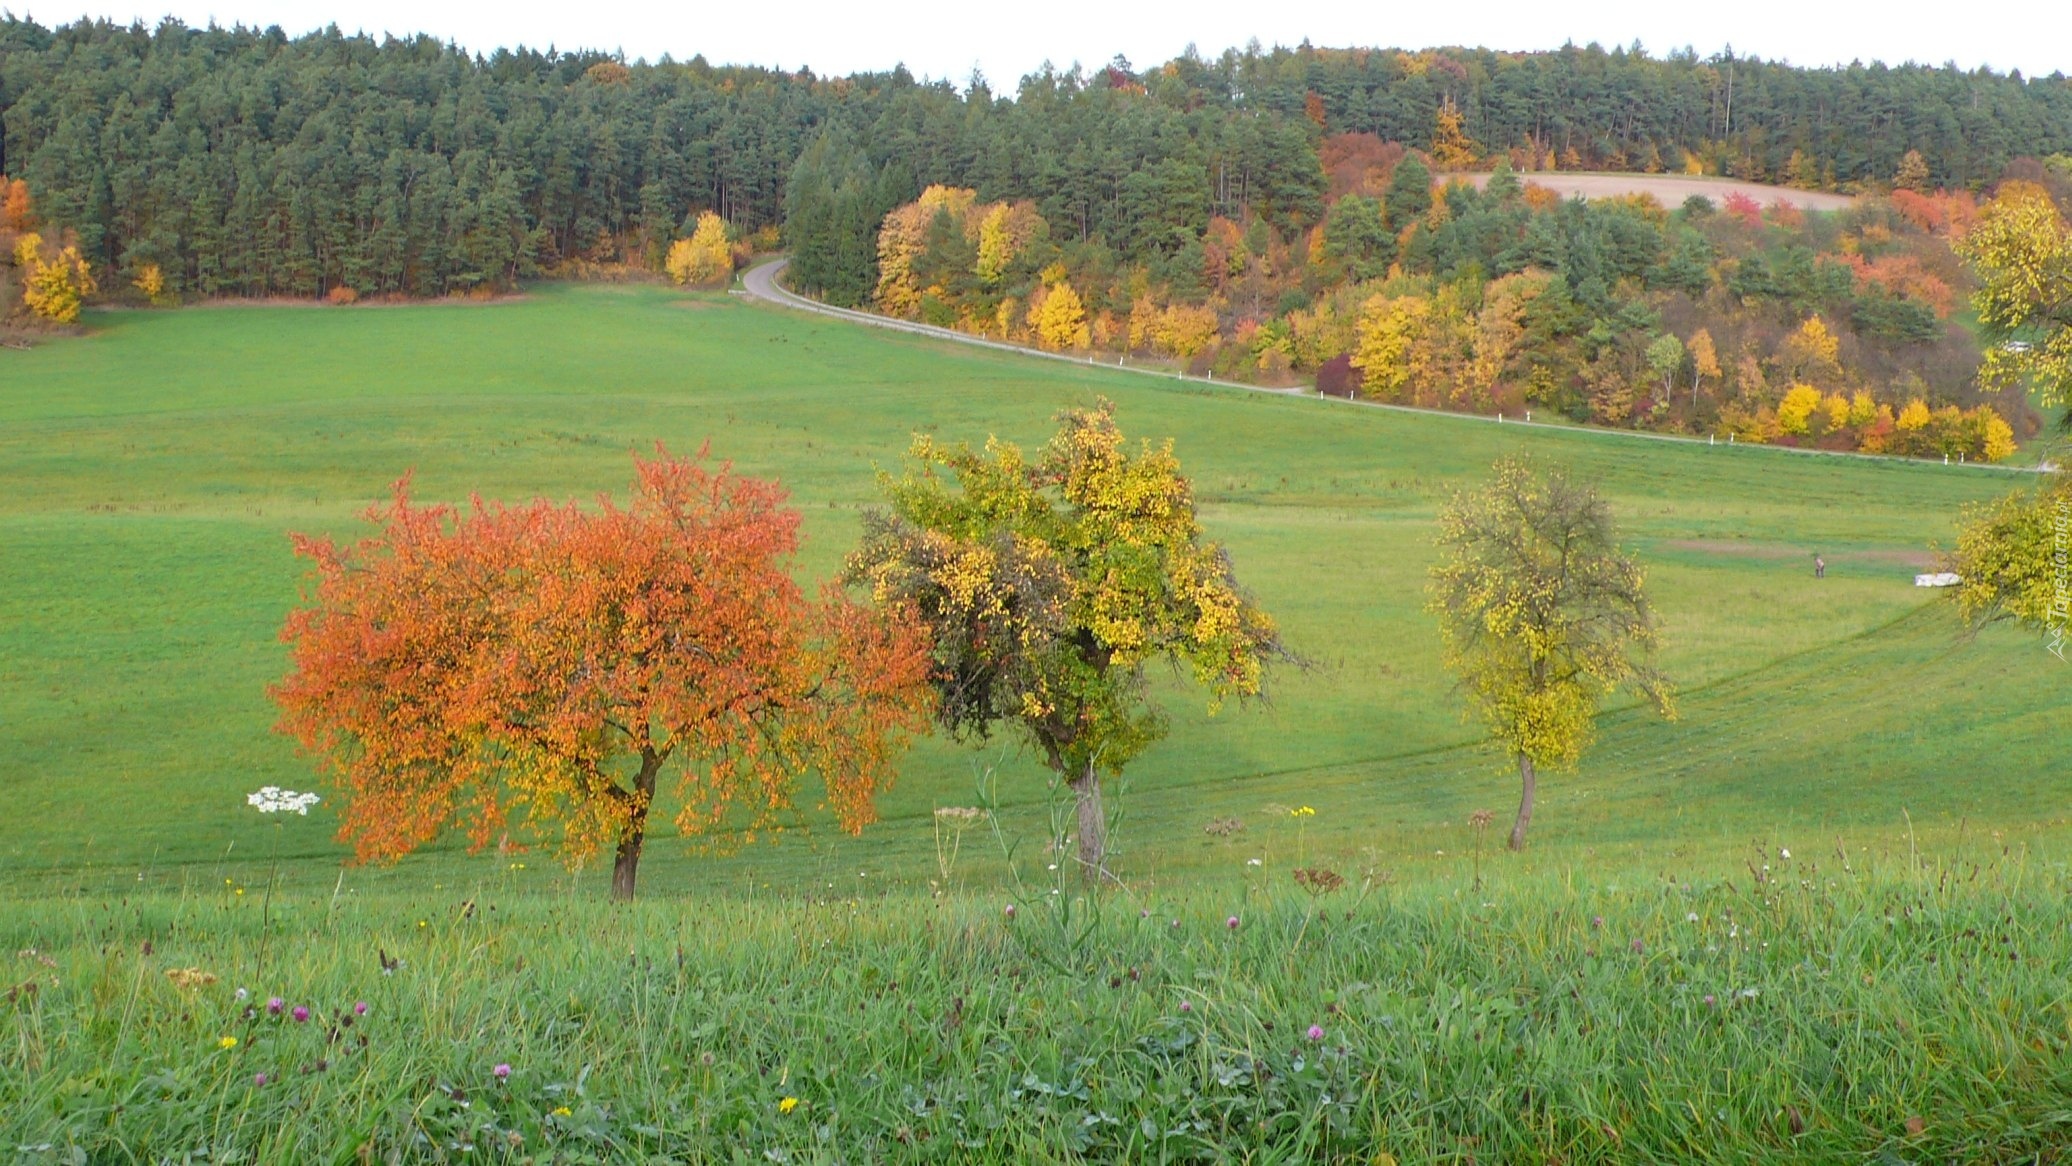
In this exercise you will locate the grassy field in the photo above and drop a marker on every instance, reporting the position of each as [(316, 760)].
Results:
[(149, 475), (1822, 1008), (1820, 917)]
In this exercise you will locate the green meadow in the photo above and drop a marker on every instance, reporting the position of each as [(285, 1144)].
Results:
[(1819, 916), (151, 472)]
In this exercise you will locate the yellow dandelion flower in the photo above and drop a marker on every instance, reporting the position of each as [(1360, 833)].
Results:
[(228, 1042), (787, 1105), (561, 1111)]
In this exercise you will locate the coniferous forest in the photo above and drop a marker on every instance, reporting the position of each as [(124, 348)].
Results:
[(1245, 214)]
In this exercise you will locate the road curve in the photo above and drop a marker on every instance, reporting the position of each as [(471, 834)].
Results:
[(760, 283)]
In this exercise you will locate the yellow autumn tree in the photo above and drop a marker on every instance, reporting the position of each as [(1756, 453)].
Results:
[(704, 257), (151, 281), (1999, 435), (1704, 361), (1059, 318), (2021, 249), (1004, 231), (1452, 148), (53, 286), (1797, 408), (1811, 354), (1388, 329), (1863, 410), (902, 238)]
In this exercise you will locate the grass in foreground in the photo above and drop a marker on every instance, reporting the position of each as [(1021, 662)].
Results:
[(1847, 1005)]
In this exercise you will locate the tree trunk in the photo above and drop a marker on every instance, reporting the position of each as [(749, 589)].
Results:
[(1093, 826), (1526, 778), (626, 864)]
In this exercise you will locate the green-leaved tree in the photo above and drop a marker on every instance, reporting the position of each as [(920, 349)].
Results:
[(1049, 585), (1541, 615)]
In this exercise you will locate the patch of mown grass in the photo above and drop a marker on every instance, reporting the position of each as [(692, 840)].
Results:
[(1830, 1006)]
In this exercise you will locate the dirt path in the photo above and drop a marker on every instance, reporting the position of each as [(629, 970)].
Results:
[(1672, 189)]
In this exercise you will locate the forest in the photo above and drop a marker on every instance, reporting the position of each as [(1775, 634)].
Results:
[(1271, 215)]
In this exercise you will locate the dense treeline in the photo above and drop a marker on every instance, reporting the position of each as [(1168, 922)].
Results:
[(244, 162), (1768, 325)]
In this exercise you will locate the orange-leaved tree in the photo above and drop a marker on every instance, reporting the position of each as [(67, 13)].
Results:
[(469, 665)]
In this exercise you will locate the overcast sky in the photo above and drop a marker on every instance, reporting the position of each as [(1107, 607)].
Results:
[(940, 39)]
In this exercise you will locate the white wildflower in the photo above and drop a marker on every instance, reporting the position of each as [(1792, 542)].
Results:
[(272, 799)]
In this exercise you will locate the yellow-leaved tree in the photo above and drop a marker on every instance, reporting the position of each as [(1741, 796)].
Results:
[(1704, 361), (1541, 616), (54, 285), (2012, 564), (705, 257), (1452, 148), (1003, 233), (151, 281), (1059, 318), (2021, 248), (1796, 409), (902, 238), (1387, 330), (1050, 584)]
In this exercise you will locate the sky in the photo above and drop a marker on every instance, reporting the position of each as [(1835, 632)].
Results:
[(940, 39)]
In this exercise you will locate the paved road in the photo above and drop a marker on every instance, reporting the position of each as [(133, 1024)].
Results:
[(760, 283)]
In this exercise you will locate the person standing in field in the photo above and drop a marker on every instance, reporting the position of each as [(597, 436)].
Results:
[(1819, 567)]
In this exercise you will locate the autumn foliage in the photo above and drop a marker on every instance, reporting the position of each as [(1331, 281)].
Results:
[(468, 667), (704, 257)]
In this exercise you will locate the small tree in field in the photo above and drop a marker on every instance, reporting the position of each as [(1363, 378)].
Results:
[(704, 257), (1542, 617), (1048, 585), (464, 665)]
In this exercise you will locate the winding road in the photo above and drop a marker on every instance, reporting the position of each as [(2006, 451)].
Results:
[(760, 283)]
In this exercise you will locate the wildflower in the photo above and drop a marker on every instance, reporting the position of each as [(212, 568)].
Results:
[(301, 1014), (1302, 812), (274, 1006), (561, 1111), (1186, 1005), (1231, 923), (258, 1079), (360, 1009), (787, 1105), (1749, 993), (1253, 862), (272, 799), (228, 1042), (1710, 1000), (1691, 918), (1597, 923), (502, 1072), (1316, 1033), (1639, 946), (1053, 866), (1010, 910), (1144, 914), (241, 994)]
